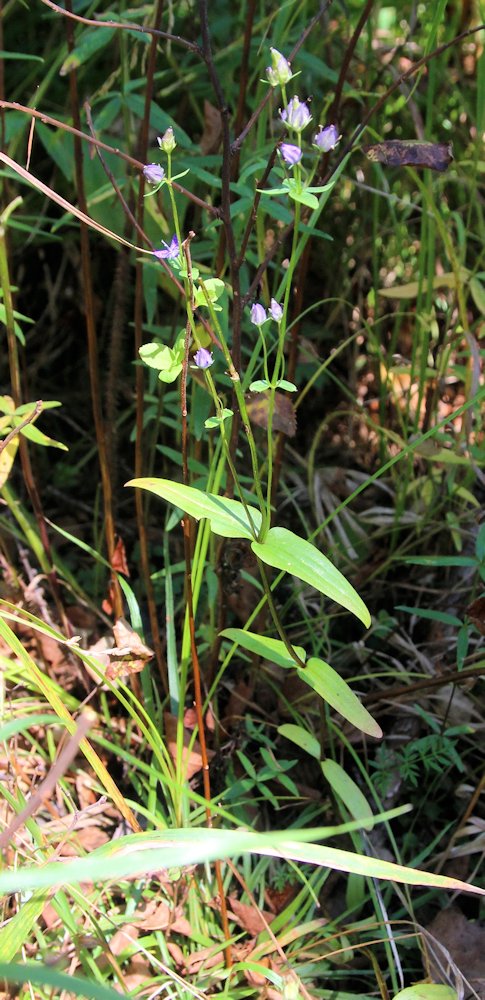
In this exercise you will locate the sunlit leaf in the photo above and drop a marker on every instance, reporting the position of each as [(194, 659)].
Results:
[(143, 853), (228, 518), (285, 550), (333, 689)]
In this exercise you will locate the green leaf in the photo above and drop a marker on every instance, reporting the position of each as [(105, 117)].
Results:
[(90, 42), (273, 650), (282, 549), (282, 383), (427, 991), (347, 790), (260, 385), (143, 853), (34, 434), (304, 197), (333, 689), (227, 517), (14, 726), (60, 982), (434, 616), (302, 738), (17, 930), (219, 419)]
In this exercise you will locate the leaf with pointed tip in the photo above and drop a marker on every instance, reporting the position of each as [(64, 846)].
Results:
[(285, 550), (228, 518), (333, 689)]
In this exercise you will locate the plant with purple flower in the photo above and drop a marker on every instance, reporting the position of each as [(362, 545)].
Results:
[(171, 250), (203, 358), (296, 115), (290, 153), (153, 173), (275, 311), (327, 138), (258, 314)]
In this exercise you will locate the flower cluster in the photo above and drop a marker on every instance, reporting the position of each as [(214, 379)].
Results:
[(260, 316)]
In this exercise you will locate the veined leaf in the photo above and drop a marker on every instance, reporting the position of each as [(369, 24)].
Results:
[(285, 550), (333, 689), (273, 650), (228, 518)]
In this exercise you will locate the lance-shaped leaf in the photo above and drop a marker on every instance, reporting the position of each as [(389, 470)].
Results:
[(273, 650), (228, 518), (285, 550), (333, 689)]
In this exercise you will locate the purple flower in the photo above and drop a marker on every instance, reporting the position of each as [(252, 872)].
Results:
[(296, 115), (171, 250), (275, 311), (203, 358), (154, 174), (258, 314), (327, 138), (279, 73), (290, 153)]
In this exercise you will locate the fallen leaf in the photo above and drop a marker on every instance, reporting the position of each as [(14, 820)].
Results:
[(123, 938), (130, 654), (411, 153), (476, 614), (192, 758), (211, 137), (248, 917), (118, 559), (284, 417)]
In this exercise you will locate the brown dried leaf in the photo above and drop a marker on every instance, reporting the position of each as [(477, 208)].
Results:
[(211, 137), (130, 654), (284, 417), (123, 938), (476, 614), (118, 561), (248, 917), (411, 153), (192, 759)]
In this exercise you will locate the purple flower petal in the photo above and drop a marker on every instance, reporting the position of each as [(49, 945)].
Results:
[(327, 138), (290, 153), (171, 250), (258, 314), (275, 311), (203, 358), (153, 173)]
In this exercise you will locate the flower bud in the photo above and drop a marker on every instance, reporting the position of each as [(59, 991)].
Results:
[(290, 153), (327, 138), (258, 314), (167, 142), (203, 358), (275, 311), (153, 173), (279, 73)]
